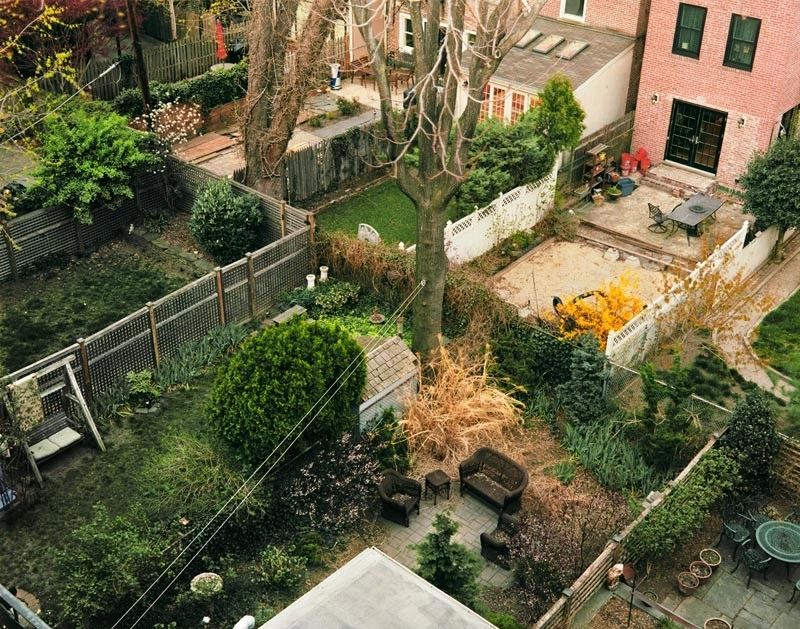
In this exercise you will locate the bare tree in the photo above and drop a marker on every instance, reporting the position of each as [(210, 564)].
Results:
[(276, 96), (442, 125)]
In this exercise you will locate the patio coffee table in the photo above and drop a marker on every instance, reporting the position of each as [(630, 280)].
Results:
[(436, 481), (780, 540)]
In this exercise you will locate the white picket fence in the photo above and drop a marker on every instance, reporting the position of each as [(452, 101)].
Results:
[(515, 211), (631, 343)]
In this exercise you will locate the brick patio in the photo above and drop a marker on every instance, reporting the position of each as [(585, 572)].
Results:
[(473, 518)]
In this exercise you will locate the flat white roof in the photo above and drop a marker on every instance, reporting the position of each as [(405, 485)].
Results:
[(373, 591)]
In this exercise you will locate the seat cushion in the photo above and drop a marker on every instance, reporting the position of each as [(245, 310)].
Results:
[(50, 446)]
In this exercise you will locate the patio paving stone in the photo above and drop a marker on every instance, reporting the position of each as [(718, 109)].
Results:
[(746, 620), (785, 621), (727, 594), (762, 607), (692, 608), (473, 518)]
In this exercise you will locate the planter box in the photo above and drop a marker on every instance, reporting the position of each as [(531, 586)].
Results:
[(223, 116)]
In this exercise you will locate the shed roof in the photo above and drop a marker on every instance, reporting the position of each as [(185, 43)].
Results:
[(529, 70), (373, 590), (387, 364)]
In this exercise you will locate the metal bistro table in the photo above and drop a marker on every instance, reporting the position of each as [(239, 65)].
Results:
[(781, 541), (694, 211)]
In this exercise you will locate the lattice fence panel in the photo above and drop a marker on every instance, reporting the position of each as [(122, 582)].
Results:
[(186, 315), (236, 291), (276, 274), (5, 262), (122, 347), (151, 195), (42, 233), (106, 222)]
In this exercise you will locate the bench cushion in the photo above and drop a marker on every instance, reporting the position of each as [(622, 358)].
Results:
[(52, 444)]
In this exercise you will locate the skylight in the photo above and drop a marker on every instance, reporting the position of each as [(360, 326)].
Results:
[(548, 43), (572, 49)]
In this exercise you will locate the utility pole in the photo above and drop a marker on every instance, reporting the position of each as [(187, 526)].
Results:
[(141, 70)]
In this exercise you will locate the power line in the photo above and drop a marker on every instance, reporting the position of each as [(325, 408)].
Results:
[(341, 380), (62, 103)]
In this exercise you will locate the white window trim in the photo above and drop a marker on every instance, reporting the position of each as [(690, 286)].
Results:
[(401, 36), (507, 100), (570, 16)]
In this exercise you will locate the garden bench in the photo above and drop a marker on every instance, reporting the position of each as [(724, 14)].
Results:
[(494, 478), (288, 314)]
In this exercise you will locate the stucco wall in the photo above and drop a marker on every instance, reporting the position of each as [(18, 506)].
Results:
[(604, 96)]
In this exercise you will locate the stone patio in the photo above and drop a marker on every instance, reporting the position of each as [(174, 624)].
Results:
[(764, 605), (473, 518)]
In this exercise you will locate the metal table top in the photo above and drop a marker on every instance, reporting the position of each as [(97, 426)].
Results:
[(695, 210), (780, 540)]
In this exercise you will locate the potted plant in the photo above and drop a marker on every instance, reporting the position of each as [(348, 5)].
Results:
[(613, 176), (597, 197), (613, 193), (716, 623), (711, 556), (687, 583), (701, 570)]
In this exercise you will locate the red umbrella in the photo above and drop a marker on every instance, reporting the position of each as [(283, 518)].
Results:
[(222, 52)]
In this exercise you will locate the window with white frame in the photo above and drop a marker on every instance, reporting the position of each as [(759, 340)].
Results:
[(406, 39), (505, 104), (573, 9)]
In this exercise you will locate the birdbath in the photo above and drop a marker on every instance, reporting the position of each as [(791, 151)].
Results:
[(376, 317)]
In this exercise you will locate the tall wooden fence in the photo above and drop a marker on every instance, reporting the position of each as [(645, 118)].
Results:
[(144, 339), (320, 168), (43, 233), (616, 135)]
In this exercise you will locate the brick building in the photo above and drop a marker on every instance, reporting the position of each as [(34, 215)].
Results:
[(720, 80)]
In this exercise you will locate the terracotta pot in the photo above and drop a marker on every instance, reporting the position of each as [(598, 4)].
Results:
[(711, 556), (701, 570), (687, 583), (716, 623)]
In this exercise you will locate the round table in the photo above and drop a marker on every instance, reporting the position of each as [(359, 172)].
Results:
[(780, 540)]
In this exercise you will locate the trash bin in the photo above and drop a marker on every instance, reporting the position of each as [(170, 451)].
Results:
[(336, 77)]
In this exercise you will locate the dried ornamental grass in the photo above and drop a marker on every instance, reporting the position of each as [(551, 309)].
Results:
[(459, 408)]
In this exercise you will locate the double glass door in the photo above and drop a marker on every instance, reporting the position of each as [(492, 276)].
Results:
[(695, 136)]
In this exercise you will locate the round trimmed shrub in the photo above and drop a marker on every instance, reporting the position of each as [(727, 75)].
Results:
[(227, 225), (274, 380)]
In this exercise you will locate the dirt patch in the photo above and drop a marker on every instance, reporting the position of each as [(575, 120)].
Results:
[(566, 269), (614, 614), (176, 233)]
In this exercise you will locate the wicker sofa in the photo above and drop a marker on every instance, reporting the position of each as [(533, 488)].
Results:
[(494, 545), (400, 496), (494, 478)]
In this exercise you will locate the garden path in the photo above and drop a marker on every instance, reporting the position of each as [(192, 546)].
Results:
[(473, 518), (772, 284)]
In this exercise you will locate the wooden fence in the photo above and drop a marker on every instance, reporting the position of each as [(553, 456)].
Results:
[(320, 168), (43, 233), (788, 466), (235, 293), (616, 135), (616, 551)]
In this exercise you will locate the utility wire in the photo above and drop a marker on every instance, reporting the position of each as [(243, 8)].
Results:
[(341, 381), (62, 103)]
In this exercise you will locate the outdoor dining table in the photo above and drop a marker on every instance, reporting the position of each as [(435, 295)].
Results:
[(780, 540), (692, 212)]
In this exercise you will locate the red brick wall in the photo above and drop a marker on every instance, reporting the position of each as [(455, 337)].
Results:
[(760, 96), (623, 16)]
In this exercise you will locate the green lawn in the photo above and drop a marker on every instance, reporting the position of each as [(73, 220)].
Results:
[(43, 313), (778, 340), (383, 206)]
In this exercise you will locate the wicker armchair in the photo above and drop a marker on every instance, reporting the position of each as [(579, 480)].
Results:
[(494, 545), (400, 496)]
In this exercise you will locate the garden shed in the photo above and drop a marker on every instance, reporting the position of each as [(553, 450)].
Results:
[(373, 590), (391, 378)]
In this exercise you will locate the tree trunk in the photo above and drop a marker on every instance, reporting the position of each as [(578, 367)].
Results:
[(432, 268), (779, 253)]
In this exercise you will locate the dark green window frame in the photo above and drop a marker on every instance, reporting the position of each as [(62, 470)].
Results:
[(740, 51), (689, 30)]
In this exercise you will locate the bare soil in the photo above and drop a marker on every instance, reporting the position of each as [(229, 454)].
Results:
[(567, 269), (614, 614)]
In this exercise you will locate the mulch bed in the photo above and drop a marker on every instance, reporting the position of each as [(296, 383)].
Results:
[(614, 614)]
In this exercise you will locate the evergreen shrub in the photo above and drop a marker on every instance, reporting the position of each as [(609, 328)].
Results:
[(277, 377)]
